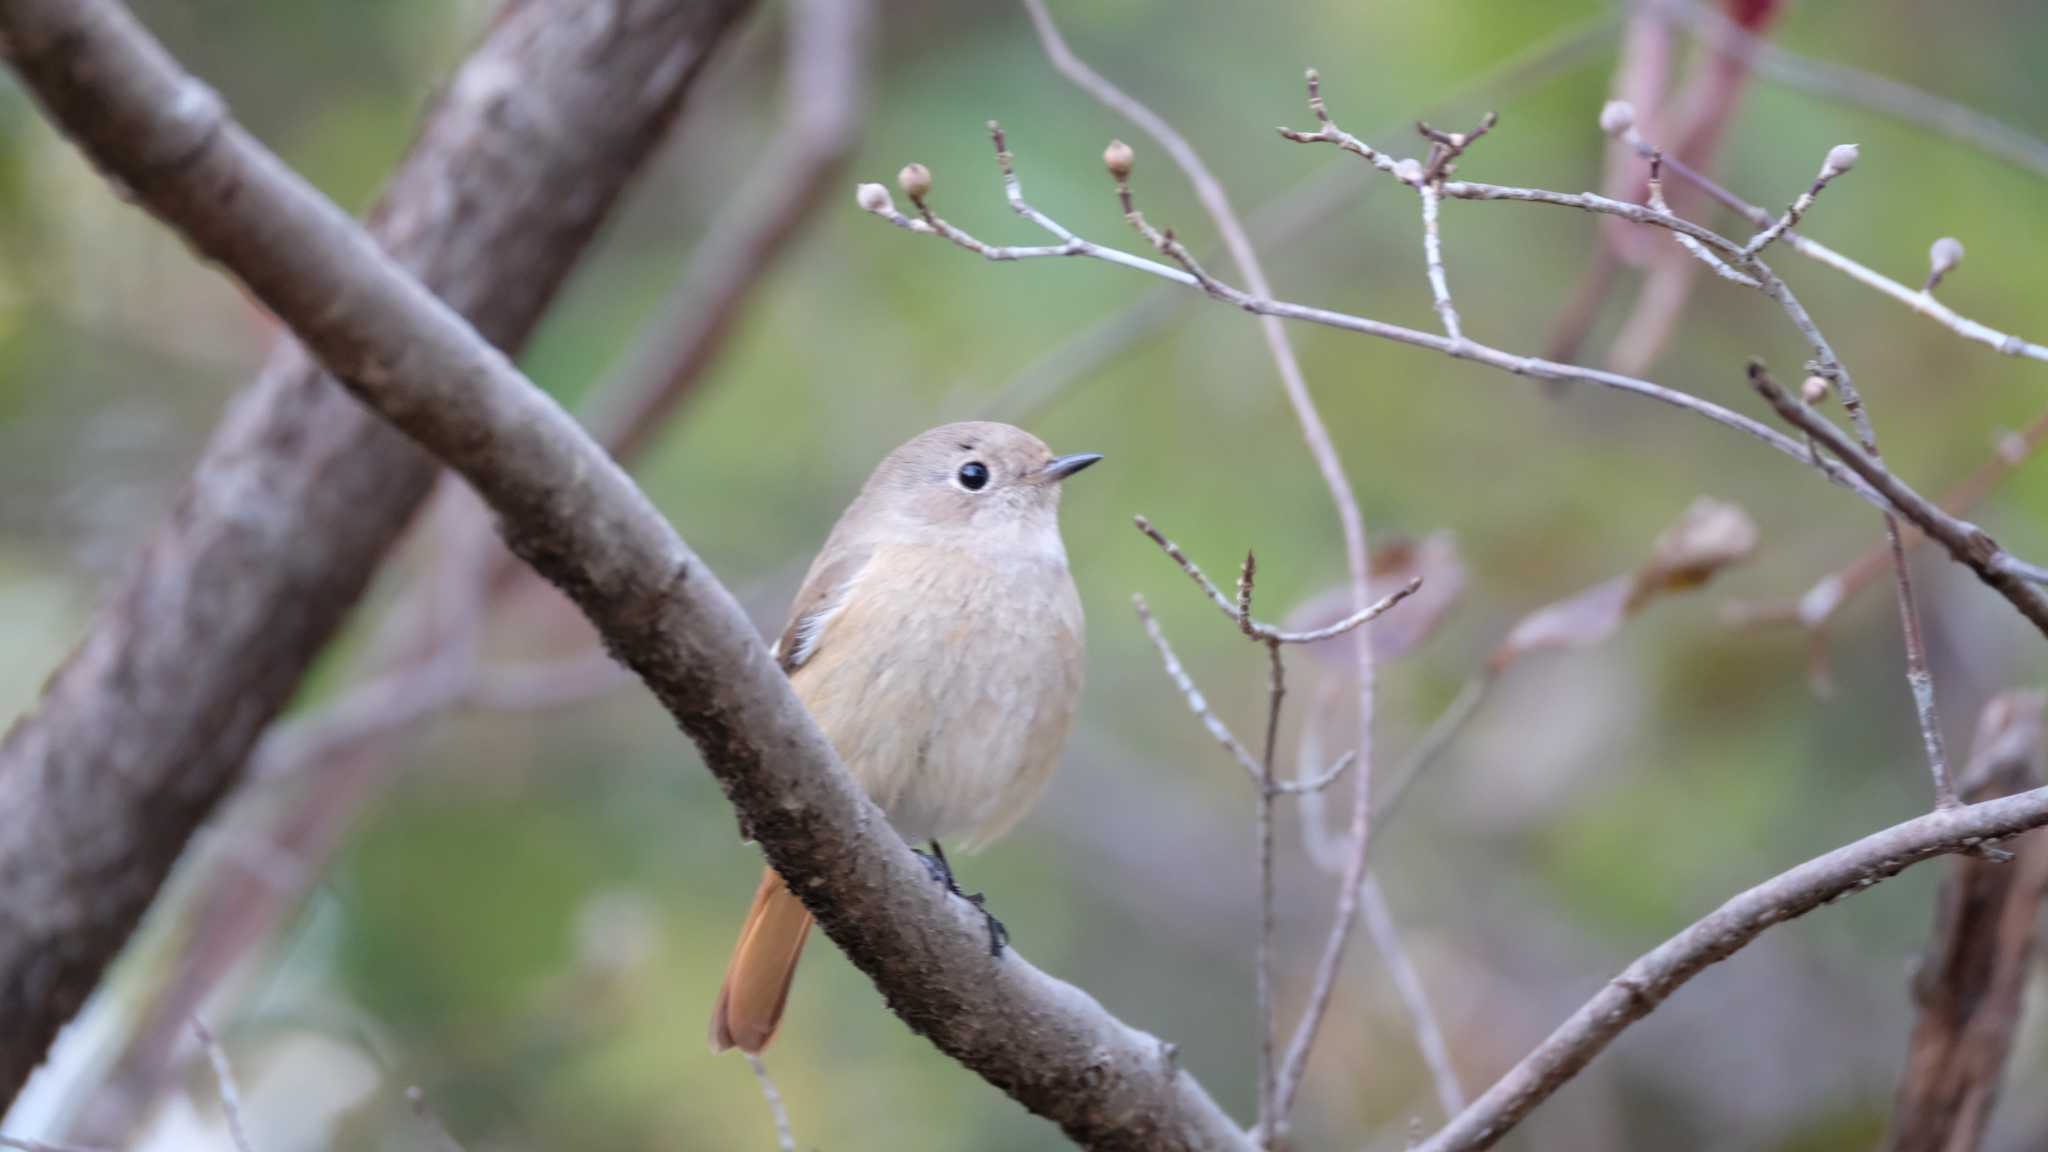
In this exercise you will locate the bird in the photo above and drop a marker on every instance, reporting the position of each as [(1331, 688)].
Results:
[(937, 641)]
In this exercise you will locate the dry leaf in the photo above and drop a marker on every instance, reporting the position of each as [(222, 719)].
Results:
[(1710, 536)]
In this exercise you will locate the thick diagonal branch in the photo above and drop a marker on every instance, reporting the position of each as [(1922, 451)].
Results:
[(568, 510), (1656, 975)]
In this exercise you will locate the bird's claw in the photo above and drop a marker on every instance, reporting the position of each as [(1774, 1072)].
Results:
[(942, 873)]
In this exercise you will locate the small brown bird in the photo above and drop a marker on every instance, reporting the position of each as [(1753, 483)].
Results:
[(937, 643)]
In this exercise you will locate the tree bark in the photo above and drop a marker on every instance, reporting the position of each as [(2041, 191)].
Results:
[(569, 511), (148, 723), (1972, 983)]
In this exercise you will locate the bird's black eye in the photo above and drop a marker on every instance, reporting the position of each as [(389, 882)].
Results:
[(973, 475)]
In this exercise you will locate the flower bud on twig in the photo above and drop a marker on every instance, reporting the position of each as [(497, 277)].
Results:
[(874, 198), (915, 180), (1617, 117), (1942, 257), (1117, 158)]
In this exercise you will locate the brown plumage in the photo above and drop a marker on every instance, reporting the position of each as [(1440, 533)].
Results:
[(937, 642)]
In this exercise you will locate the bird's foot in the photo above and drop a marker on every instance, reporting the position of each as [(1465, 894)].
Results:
[(998, 936), (942, 873)]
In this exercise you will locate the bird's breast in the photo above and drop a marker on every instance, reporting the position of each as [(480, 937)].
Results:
[(947, 685)]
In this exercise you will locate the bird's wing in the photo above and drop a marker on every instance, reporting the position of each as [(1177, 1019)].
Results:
[(824, 595)]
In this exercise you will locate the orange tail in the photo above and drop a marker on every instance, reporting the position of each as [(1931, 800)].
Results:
[(756, 987)]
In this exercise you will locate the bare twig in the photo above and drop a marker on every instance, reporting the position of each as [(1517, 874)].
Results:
[(1312, 784), (1262, 770), (1840, 159), (1690, 243), (1445, 148), (1216, 203), (785, 1138), (1653, 977), (1966, 542), (1284, 219), (1922, 302), (1827, 595), (224, 1076), (1919, 677), (1525, 366), (1197, 702), (1429, 1036), (1269, 1121), (1256, 629), (1433, 258)]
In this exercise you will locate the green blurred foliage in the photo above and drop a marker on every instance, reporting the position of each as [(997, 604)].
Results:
[(531, 924)]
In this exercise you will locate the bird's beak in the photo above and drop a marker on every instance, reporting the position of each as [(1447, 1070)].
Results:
[(1064, 466)]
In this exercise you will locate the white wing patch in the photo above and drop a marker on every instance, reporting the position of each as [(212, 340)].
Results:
[(810, 630)]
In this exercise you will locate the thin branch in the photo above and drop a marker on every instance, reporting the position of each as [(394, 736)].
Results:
[(1329, 133), (1309, 785), (1966, 542), (1197, 702), (224, 1076), (1828, 594), (1922, 302), (1919, 676), (1263, 772), (1433, 258), (1445, 148), (1269, 1120), (572, 513), (1256, 629), (1283, 219), (1653, 977), (785, 1138), (1688, 242), (1216, 204), (1839, 161), (1429, 1035), (1525, 366)]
